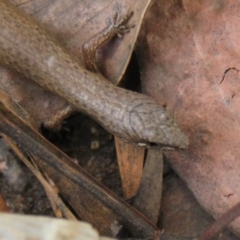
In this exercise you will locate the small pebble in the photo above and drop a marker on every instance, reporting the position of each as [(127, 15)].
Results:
[(95, 145)]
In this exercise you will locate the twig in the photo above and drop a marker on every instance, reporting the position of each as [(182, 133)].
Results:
[(221, 223)]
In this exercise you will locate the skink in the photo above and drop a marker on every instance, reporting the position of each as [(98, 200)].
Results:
[(28, 48)]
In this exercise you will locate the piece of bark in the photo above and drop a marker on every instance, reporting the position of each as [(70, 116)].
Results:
[(23, 227)]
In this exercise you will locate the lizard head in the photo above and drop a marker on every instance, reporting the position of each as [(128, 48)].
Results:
[(154, 126)]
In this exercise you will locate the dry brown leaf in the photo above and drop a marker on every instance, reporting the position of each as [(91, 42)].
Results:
[(189, 52), (130, 162)]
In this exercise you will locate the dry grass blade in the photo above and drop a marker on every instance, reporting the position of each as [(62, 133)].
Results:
[(58, 206)]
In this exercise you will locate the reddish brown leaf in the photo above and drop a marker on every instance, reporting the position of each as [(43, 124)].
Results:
[(189, 52)]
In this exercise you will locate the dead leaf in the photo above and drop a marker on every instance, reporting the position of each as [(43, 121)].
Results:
[(130, 162), (189, 54)]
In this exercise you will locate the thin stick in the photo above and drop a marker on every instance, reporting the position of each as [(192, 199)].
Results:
[(58, 206), (221, 223)]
